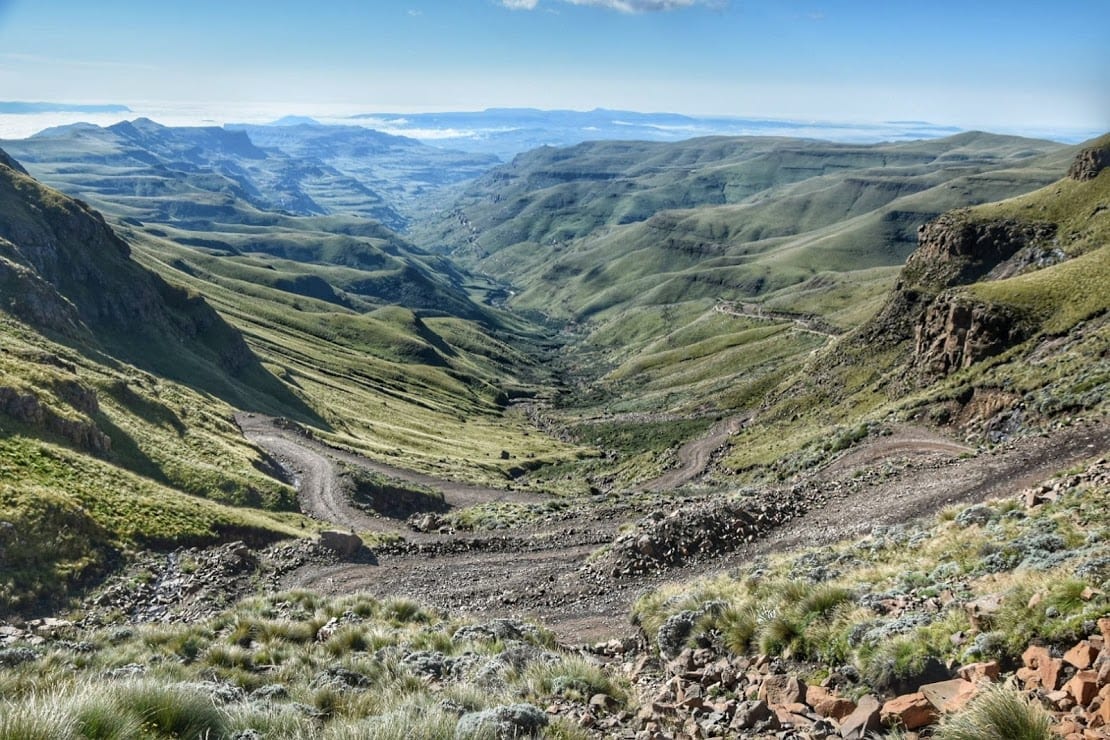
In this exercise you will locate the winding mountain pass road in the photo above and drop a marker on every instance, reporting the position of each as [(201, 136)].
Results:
[(540, 570), (321, 493)]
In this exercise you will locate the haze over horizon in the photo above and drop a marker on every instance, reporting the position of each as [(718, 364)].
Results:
[(1015, 67)]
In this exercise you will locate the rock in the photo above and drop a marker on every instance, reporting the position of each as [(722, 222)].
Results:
[(949, 696), (980, 672), (1083, 687), (782, 689), (1082, 656), (864, 719), (345, 544), (503, 722), (911, 711), (1089, 163), (827, 704)]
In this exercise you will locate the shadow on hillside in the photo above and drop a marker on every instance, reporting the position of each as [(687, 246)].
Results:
[(249, 387)]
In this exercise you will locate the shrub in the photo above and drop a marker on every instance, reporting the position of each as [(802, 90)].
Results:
[(172, 711), (999, 713)]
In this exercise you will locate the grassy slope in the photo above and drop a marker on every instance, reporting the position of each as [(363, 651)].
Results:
[(423, 391), (637, 243), (177, 471), (1050, 373)]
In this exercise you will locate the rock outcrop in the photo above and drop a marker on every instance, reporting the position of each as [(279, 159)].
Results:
[(949, 328), (1089, 162), (956, 331)]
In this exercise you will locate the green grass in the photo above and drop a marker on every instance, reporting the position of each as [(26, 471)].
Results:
[(998, 713), (824, 605), (266, 666)]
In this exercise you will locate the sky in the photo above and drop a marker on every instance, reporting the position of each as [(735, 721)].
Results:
[(973, 63)]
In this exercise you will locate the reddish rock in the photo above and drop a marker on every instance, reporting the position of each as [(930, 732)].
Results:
[(864, 719), (1082, 656), (911, 711), (782, 689), (1104, 629), (949, 696), (1103, 713), (980, 672), (827, 704), (1060, 700), (1067, 727), (1083, 687), (1046, 668)]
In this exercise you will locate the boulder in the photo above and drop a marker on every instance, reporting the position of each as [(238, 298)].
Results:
[(949, 696), (863, 720), (911, 711), (344, 544)]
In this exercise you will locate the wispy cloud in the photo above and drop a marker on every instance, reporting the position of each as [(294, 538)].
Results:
[(85, 63), (647, 6), (624, 6)]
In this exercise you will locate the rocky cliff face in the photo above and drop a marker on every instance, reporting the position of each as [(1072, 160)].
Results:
[(954, 332), (1089, 163), (950, 330)]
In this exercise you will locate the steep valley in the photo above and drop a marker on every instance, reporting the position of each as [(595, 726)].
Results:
[(827, 413)]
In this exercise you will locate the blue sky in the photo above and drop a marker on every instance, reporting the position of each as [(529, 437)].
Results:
[(974, 64)]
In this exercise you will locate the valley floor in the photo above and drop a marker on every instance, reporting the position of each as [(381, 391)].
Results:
[(549, 570)]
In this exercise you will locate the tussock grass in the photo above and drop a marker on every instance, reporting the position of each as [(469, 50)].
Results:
[(257, 671), (877, 602), (997, 713)]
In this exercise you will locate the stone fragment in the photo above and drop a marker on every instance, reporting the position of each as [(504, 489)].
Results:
[(1082, 656), (911, 711), (949, 696), (864, 719)]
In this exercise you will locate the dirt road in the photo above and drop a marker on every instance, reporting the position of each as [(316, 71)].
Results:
[(539, 571)]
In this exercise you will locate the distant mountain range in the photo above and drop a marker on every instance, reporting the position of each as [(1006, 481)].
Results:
[(301, 169), (509, 131)]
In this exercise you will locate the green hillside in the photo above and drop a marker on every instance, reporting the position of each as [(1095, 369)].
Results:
[(116, 393), (990, 331)]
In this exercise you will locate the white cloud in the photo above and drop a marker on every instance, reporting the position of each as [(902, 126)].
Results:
[(646, 6), (623, 6)]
